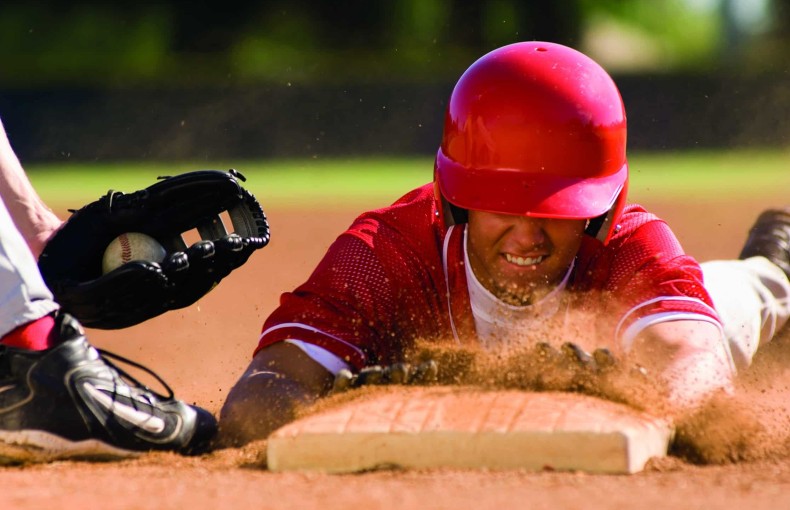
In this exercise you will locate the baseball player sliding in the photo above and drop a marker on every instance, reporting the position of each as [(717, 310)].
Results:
[(525, 230)]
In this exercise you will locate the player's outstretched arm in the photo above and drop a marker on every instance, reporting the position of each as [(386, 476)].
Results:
[(32, 217), (689, 357), (279, 380)]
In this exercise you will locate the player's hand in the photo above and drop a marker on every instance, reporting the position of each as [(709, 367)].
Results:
[(600, 373), (572, 356), (570, 367), (424, 373)]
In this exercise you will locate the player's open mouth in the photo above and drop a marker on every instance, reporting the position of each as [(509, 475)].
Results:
[(523, 261)]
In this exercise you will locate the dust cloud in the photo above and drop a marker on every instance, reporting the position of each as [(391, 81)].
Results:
[(751, 424)]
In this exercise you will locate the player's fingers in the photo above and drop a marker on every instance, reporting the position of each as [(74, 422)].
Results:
[(399, 373), (577, 355), (552, 370), (545, 353), (426, 372), (604, 358), (343, 381), (370, 375)]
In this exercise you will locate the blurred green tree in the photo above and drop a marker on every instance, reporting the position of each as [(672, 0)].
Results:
[(48, 42)]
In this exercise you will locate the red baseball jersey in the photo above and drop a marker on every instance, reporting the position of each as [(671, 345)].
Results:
[(396, 276)]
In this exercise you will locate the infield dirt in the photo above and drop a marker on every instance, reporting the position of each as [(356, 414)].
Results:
[(732, 454)]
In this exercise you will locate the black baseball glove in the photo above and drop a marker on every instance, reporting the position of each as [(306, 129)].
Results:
[(71, 262)]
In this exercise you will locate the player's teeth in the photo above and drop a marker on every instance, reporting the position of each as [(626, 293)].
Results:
[(523, 261)]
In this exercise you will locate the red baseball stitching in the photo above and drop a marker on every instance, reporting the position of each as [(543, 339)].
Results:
[(126, 250)]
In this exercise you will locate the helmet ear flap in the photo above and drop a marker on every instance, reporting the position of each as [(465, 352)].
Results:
[(598, 227), (458, 214), (448, 213), (604, 226)]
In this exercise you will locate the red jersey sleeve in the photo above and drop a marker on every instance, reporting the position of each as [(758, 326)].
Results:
[(375, 291), (642, 277)]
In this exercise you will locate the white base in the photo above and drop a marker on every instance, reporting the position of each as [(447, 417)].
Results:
[(466, 428)]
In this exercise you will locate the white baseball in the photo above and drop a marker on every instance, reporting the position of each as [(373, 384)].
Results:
[(132, 246)]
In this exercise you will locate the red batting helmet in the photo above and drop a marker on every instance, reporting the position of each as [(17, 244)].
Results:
[(535, 129)]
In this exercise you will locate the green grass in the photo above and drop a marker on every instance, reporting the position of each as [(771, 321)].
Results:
[(711, 174), (380, 180), (297, 182)]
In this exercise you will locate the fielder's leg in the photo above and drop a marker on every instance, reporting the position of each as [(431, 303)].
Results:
[(82, 406), (24, 297)]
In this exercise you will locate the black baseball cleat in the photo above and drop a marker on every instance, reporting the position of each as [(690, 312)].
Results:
[(770, 238), (72, 402)]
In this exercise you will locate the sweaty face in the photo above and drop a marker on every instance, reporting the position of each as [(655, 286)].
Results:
[(520, 259)]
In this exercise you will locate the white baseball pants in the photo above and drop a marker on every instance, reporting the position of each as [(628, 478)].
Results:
[(24, 296), (752, 298)]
